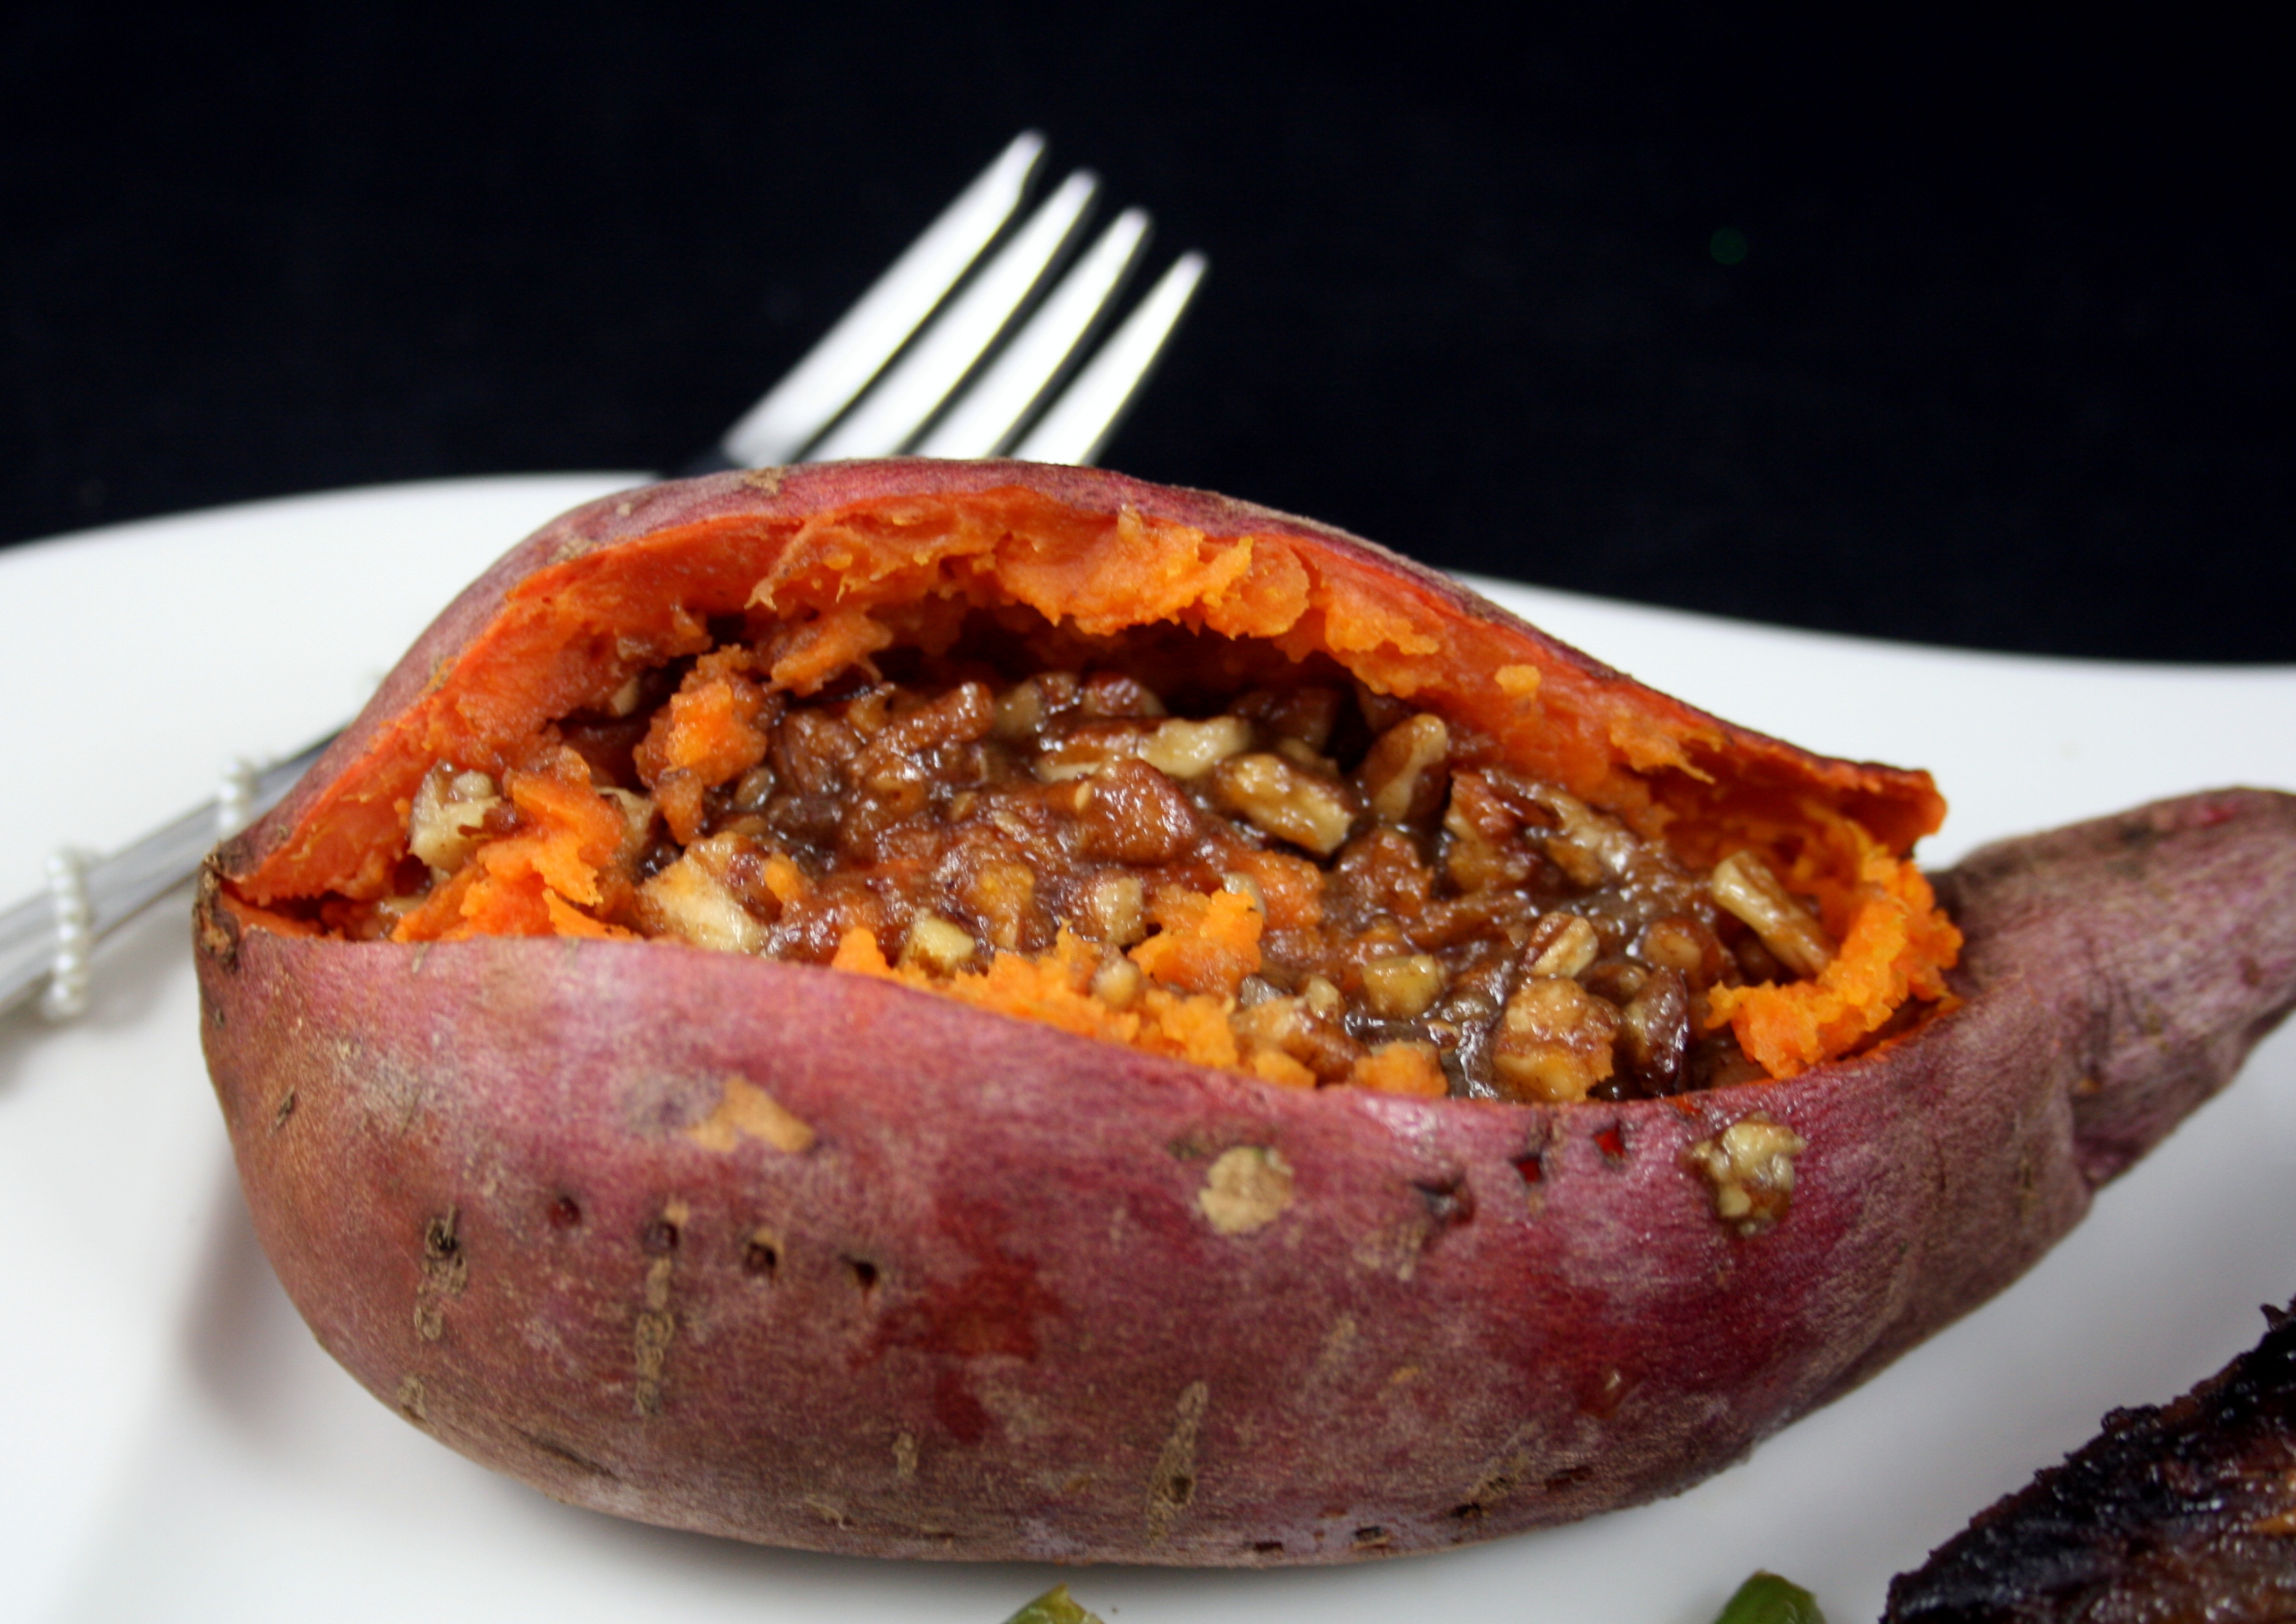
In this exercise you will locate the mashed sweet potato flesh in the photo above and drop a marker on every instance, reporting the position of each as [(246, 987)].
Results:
[(1227, 799), (1311, 883)]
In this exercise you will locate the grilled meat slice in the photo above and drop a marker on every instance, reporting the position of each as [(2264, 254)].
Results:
[(2181, 1512)]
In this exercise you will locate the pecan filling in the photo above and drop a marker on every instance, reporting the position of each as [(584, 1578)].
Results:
[(1312, 883)]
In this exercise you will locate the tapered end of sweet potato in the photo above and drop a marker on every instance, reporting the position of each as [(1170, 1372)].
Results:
[(2167, 928)]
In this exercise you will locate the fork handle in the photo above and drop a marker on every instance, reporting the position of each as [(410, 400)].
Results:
[(42, 940)]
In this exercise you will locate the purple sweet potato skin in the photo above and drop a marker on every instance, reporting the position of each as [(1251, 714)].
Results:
[(986, 1313)]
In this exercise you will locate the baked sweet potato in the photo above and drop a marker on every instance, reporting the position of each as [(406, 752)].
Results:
[(850, 1255)]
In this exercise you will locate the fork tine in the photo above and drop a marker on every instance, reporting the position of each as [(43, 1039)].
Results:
[(993, 407), (867, 336), (1078, 423), (899, 404)]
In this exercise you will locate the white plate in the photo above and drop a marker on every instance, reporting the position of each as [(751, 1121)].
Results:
[(176, 1445)]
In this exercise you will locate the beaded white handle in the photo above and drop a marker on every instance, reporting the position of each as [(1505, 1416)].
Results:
[(50, 936), (66, 994)]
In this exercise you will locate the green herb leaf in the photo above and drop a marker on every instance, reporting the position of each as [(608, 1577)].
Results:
[(1768, 1599), (1056, 1607)]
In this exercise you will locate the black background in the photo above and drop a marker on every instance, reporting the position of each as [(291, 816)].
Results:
[(2006, 364)]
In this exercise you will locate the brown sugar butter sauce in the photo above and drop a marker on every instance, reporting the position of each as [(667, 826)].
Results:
[(1313, 884)]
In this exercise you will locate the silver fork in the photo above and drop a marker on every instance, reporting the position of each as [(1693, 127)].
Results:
[(930, 360)]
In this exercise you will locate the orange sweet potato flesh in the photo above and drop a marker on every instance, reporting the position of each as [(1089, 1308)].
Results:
[(808, 1257)]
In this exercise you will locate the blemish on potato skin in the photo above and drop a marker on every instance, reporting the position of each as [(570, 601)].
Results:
[(656, 1325), (543, 1444), (414, 1401), (446, 1271), (905, 1457), (828, 1510), (651, 1342), (745, 1111), (1530, 1162), (1437, 1205), (1498, 1480), (284, 1110), (761, 1255), (1393, 1250), (214, 929), (1246, 1189), (1173, 1486), (1449, 1199)]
